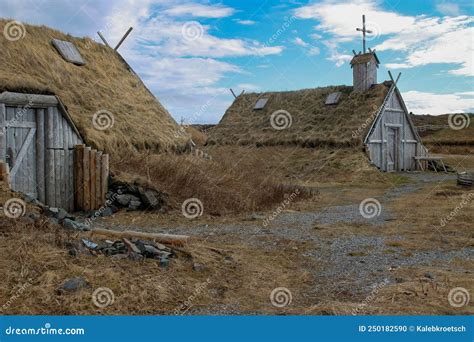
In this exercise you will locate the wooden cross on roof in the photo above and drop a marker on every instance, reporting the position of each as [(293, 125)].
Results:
[(364, 31)]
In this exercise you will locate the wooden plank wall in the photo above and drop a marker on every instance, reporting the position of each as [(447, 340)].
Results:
[(91, 172)]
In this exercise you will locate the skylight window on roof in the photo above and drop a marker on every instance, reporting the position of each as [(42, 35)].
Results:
[(68, 51), (260, 104), (333, 98)]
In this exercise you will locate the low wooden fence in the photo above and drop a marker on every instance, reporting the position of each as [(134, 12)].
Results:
[(91, 174)]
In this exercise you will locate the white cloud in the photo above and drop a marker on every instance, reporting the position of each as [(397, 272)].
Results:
[(436, 104), (200, 10), (246, 22), (448, 9), (335, 55), (300, 42), (309, 49), (422, 39), (248, 87)]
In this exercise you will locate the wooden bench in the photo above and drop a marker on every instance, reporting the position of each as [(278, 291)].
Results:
[(430, 158)]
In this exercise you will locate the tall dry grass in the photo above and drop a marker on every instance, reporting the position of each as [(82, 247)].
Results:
[(223, 186)]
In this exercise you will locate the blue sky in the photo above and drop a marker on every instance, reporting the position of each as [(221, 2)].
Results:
[(190, 52)]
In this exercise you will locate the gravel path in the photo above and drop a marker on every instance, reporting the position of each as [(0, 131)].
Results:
[(351, 263)]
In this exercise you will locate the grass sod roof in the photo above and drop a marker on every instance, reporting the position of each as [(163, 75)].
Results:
[(32, 65), (313, 123)]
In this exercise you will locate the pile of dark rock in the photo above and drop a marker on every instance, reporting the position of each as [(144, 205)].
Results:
[(135, 197), (133, 249)]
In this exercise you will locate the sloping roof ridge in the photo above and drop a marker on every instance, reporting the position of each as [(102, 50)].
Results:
[(269, 93)]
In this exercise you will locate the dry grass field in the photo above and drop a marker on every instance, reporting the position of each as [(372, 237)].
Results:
[(318, 247)]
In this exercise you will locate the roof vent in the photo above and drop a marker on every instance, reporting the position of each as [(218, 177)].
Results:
[(260, 104), (333, 98), (68, 51)]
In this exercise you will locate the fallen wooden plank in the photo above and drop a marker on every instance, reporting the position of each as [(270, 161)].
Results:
[(171, 239)]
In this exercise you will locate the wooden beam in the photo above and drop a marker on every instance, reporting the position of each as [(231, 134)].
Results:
[(233, 93), (3, 132), (79, 176), (123, 38), (98, 174), (104, 177), (162, 238), (103, 39), (93, 177), (86, 186), (30, 100)]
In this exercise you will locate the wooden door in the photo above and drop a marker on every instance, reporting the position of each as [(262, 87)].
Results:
[(20, 151), (392, 149)]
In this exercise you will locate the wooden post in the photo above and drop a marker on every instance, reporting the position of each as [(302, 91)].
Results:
[(49, 158), (104, 176), (92, 178), (79, 177), (123, 38), (98, 188), (3, 132), (86, 173)]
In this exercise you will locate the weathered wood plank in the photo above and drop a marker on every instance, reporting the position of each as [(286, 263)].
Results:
[(3, 132), (93, 178), (104, 176), (40, 154), (49, 158), (79, 176), (98, 187), (30, 100), (86, 177)]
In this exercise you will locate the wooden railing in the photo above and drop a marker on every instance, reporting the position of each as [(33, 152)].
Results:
[(91, 174)]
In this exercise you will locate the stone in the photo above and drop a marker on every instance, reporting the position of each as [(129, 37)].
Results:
[(151, 198), (125, 199), (89, 244), (62, 214), (135, 256), (164, 262), (106, 212), (134, 205), (199, 267), (73, 285), (73, 225)]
